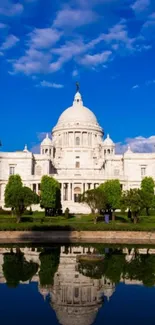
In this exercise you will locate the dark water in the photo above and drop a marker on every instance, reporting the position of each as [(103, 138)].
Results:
[(77, 285)]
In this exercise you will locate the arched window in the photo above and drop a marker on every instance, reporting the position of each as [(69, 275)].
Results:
[(109, 151), (77, 141), (46, 150), (77, 164), (77, 192)]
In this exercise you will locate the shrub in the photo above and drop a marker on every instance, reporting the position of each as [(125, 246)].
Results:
[(66, 213)]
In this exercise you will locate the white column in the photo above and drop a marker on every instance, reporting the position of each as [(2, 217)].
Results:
[(69, 191), (62, 192)]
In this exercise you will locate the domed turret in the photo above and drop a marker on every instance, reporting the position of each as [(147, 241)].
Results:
[(109, 146), (46, 146)]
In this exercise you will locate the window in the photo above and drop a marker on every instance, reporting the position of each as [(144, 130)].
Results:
[(116, 172), (77, 141), (77, 157), (76, 292), (143, 171), (77, 164), (34, 188), (12, 170)]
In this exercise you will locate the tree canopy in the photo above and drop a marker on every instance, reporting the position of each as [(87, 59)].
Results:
[(16, 268), (147, 193), (112, 190), (132, 200), (49, 259), (19, 197), (50, 195), (95, 199)]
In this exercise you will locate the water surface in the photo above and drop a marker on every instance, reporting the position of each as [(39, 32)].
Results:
[(77, 285)]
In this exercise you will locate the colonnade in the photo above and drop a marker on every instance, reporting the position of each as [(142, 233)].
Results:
[(70, 190), (77, 138)]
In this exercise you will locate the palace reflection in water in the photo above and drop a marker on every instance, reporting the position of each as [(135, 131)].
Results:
[(77, 279)]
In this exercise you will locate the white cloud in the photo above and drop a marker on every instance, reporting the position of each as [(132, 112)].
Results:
[(135, 87), (43, 38), (2, 25), (75, 73), (137, 144), (33, 62), (44, 53), (148, 28), (48, 84), (95, 59), (7, 8), (72, 50), (140, 5), (150, 82), (10, 41), (118, 37), (73, 18)]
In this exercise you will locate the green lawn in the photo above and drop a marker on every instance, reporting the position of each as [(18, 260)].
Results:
[(37, 221)]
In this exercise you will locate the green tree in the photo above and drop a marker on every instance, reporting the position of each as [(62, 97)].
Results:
[(114, 266), (49, 264), (91, 269), (142, 268), (112, 190), (16, 268), (147, 193), (50, 195), (132, 200), (19, 197), (95, 199)]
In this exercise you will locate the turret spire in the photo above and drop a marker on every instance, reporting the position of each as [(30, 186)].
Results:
[(77, 87)]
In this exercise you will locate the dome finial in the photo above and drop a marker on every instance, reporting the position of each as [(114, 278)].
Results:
[(77, 86), (46, 135)]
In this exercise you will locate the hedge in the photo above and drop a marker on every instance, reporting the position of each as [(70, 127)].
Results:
[(34, 226)]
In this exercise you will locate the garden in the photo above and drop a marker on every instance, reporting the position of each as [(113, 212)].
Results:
[(133, 209)]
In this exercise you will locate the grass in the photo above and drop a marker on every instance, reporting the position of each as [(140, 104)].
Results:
[(38, 222)]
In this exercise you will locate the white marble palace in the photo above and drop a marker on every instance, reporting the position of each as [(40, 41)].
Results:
[(78, 156)]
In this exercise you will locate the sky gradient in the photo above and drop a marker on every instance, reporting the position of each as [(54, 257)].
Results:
[(106, 45)]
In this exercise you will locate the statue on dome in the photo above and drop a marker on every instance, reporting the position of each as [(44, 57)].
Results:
[(77, 86)]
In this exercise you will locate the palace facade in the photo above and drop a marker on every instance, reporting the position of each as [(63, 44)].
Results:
[(78, 156)]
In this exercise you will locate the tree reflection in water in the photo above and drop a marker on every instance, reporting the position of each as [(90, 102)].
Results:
[(76, 279)]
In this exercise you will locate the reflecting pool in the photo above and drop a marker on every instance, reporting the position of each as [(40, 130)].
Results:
[(77, 285)]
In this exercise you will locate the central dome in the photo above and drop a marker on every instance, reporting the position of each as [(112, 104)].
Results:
[(77, 113)]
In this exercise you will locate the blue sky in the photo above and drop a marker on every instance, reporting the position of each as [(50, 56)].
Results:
[(106, 45)]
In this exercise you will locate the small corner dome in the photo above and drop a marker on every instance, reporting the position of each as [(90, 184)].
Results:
[(108, 141), (47, 141), (77, 113)]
